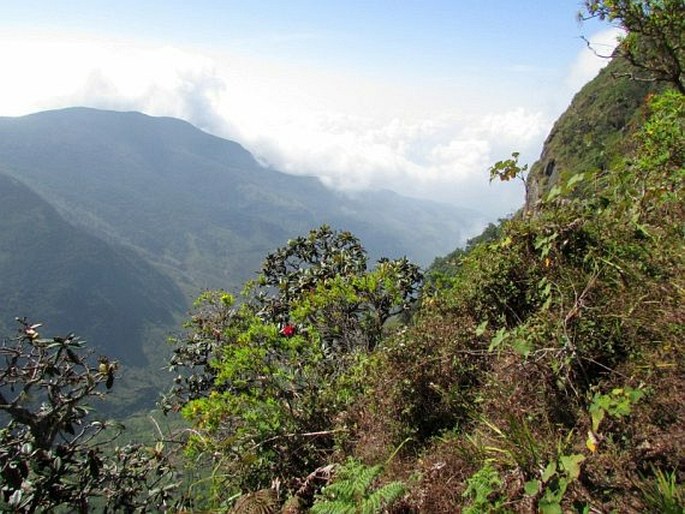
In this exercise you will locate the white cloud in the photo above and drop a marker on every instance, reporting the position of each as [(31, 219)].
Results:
[(351, 131), (516, 125), (445, 159), (45, 72)]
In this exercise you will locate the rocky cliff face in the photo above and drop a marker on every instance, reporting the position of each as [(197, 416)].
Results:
[(589, 135)]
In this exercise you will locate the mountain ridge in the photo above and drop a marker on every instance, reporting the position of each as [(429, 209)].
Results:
[(590, 132), (158, 201), (125, 176)]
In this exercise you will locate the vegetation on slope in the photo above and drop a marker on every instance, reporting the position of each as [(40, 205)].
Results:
[(555, 358), (592, 130), (54, 454), (263, 380), (654, 36), (55, 271)]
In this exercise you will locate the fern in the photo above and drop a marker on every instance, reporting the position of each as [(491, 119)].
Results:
[(351, 492), (480, 488), (333, 507), (386, 495), (354, 480)]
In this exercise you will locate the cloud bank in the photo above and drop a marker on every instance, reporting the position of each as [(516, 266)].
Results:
[(350, 131)]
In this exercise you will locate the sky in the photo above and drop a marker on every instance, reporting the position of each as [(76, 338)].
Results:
[(416, 96)]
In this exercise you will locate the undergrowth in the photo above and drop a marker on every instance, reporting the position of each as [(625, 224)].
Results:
[(543, 369)]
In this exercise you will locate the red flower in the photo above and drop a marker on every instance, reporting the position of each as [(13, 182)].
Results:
[(288, 330)]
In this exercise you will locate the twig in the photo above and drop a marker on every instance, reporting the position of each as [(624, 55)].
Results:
[(303, 434)]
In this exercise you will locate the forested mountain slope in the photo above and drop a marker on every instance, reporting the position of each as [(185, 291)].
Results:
[(591, 133), (54, 272), (541, 370), (198, 206), (113, 222)]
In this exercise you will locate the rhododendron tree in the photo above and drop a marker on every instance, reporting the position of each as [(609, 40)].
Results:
[(257, 378)]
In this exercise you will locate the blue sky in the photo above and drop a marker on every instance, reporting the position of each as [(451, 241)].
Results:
[(417, 96), (367, 35)]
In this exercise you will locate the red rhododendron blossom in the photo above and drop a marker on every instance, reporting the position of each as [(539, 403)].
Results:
[(288, 330)]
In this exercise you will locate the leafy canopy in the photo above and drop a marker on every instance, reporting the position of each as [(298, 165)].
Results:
[(655, 39), (52, 453), (263, 379)]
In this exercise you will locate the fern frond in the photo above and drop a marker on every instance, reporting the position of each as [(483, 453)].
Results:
[(333, 507), (364, 479), (352, 492), (342, 490), (353, 481), (383, 497)]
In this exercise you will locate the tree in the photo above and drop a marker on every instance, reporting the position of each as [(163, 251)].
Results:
[(52, 453), (316, 285), (258, 378), (655, 35)]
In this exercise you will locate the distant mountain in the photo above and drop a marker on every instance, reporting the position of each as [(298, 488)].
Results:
[(111, 222), (51, 271), (199, 207)]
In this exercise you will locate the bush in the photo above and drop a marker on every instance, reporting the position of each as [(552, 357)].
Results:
[(263, 380), (52, 453)]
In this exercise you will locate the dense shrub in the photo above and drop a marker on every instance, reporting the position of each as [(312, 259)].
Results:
[(53, 452)]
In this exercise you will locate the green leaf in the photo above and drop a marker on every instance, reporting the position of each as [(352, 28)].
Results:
[(635, 394), (578, 177), (499, 337), (549, 472), (553, 193), (480, 329), (522, 346), (550, 508), (571, 464), (532, 487), (597, 417)]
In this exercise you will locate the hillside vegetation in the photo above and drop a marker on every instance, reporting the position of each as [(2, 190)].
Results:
[(592, 131), (51, 270)]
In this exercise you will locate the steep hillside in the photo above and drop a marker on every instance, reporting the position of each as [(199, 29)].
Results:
[(199, 206), (51, 271), (591, 133)]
